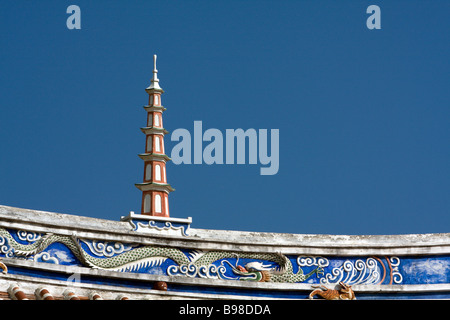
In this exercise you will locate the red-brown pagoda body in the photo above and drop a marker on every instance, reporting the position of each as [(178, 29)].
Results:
[(155, 189)]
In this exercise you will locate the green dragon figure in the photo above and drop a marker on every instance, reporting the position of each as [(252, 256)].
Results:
[(153, 255)]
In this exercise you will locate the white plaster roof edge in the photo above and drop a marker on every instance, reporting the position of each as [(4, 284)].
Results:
[(83, 271), (41, 221)]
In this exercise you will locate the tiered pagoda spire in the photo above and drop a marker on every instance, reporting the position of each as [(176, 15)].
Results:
[(155, 189)]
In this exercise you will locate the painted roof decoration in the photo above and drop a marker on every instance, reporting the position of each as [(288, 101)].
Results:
[(151, 255)]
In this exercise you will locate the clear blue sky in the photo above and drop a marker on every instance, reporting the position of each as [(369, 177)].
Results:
[(363, 114)]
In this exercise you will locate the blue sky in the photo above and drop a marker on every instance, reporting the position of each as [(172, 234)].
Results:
[(363, 114)]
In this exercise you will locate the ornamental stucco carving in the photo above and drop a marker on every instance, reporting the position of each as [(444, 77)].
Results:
[(213, 264)]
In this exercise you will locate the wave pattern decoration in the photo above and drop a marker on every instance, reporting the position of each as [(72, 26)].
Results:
[(225, 265)]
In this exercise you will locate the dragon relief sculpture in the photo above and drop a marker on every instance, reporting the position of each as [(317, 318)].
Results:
[(257, 271), (196, 264)]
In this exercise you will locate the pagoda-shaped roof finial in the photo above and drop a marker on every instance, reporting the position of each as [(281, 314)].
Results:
[(155, 81)]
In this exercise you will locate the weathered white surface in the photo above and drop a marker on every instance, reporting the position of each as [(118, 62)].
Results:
[(219, 283), (108, 292), (202, 239)]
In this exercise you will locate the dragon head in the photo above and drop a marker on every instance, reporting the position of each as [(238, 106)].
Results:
[(254, 271)]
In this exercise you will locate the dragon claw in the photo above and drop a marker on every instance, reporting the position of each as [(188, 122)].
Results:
[(319, 271)]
